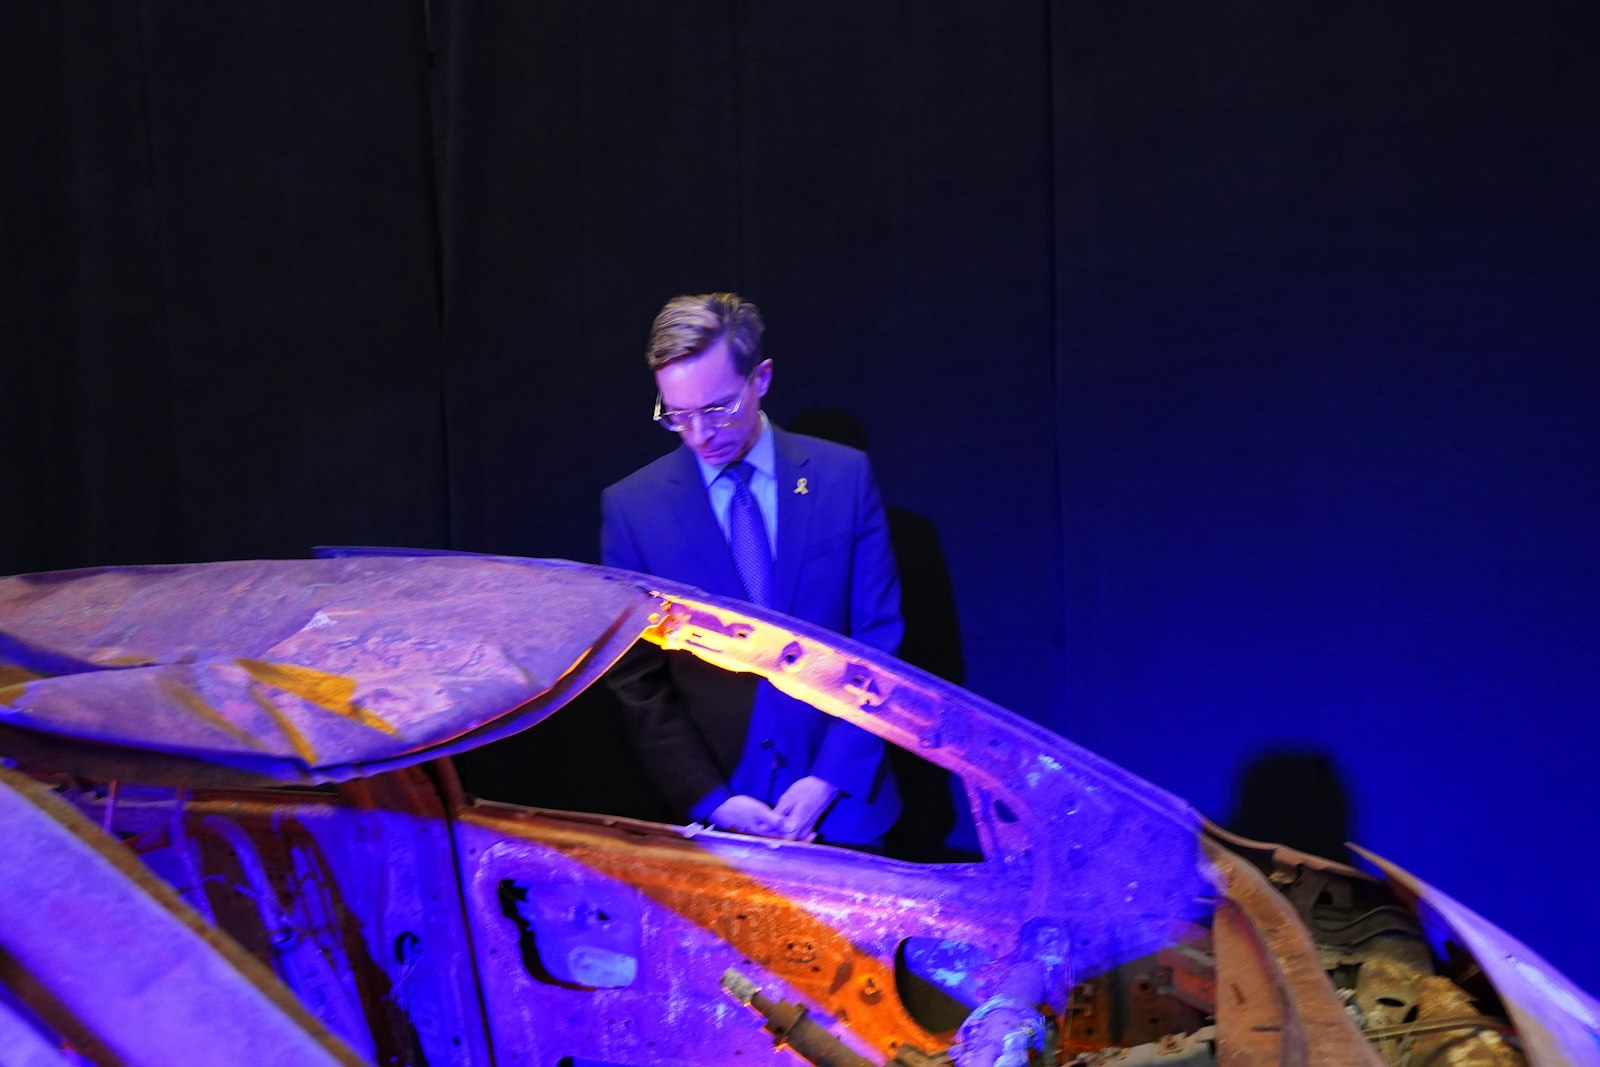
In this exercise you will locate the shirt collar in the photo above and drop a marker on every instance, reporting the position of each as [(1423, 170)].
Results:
[(763, 456)]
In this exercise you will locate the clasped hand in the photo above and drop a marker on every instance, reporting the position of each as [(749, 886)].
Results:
[(794, 817)]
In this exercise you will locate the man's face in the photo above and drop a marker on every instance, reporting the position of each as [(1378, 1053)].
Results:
[(710, 380)]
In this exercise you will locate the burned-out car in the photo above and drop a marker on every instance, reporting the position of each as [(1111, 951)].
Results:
[(233, 835)]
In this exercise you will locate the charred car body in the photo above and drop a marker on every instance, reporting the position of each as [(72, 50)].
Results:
[(234, 836)]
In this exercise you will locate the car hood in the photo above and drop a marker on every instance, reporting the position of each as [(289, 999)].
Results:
[(308, 671)]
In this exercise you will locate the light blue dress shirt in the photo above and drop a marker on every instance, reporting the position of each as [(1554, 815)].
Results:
[(763, 457)]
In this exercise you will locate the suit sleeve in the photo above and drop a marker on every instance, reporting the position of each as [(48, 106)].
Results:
[(674, 755), (874, 579), (849, 756)]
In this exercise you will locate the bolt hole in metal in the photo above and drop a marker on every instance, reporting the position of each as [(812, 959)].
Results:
[(406, 947)]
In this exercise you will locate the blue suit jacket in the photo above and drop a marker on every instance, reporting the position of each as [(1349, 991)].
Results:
[(706, 734)]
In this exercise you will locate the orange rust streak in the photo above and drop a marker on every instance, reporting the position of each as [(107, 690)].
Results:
[(13, 675), (13, 679), (749, 915), (196, 704), (302, 745), (330, 692)]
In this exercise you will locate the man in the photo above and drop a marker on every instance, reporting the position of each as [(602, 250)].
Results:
[(745, 510)]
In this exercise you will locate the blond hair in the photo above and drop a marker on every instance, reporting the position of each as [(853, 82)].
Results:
[(688, 325)]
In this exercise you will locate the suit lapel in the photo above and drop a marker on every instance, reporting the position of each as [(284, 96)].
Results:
[(794, 520), (696, 525)]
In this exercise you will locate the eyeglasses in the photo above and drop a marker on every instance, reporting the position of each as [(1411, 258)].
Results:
[(716, 417)]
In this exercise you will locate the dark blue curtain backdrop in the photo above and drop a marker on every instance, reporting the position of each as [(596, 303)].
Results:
[(1230, 367), (1329, 429)]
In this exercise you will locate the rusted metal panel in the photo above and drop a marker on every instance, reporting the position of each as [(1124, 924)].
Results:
[(295, 670), (818, 927), (1271, 985), (350, 898), (123, 961)]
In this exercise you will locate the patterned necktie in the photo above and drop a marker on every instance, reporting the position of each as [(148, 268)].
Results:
[(747, 536)]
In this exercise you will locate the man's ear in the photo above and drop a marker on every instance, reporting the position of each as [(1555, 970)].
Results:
[(763, 377)]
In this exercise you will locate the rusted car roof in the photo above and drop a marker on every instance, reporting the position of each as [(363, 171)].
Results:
[(295, 670)]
